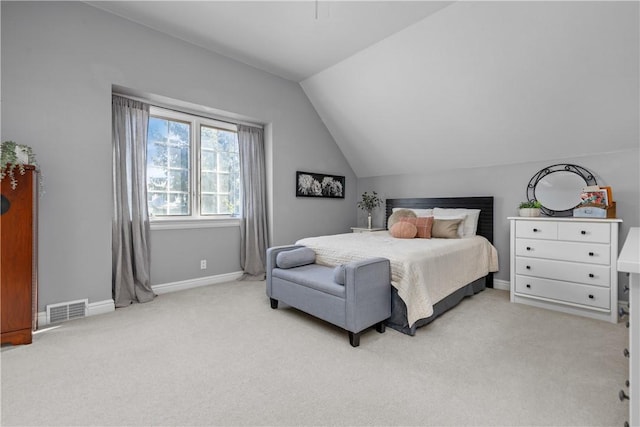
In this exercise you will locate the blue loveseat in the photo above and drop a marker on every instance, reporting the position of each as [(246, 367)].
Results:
[(353, 296)]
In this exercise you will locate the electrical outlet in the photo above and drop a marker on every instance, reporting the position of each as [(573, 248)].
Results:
[(203, 264)]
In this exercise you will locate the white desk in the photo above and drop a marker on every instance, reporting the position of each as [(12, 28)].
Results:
[(629, 261)]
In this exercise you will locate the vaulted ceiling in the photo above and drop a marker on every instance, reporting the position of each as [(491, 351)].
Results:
[(409, 87)]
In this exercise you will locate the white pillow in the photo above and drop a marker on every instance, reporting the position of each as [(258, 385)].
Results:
[(468, 227), (418, 212)]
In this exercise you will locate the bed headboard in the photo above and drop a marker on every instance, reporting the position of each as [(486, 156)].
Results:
[(485, 204)]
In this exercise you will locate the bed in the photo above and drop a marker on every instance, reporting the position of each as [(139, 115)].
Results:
[(429, 276)]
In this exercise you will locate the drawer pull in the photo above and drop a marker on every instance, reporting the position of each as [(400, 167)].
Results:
[(591, 296), (591, 254), (528, 248), (583, 232), (528, 286), (535, 230), (622, 396), (591, 275), (626, 353), (528, 267)]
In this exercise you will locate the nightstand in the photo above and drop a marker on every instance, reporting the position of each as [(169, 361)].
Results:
[(365, 230)]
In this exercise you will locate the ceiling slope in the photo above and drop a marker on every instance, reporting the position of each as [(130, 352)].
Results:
[(291, 39), (487, 83)]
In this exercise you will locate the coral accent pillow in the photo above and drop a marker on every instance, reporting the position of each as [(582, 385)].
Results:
[(422, 223), (403, 230), (400, 213)]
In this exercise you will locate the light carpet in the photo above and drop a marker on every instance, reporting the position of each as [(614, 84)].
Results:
[(219, 355)]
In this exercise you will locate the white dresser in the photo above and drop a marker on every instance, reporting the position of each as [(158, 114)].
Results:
[(566, 264), (629, 262)]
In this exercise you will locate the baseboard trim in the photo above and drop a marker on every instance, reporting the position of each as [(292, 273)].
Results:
[(182, 285), (93, 309), (107, 306), (503, 285)]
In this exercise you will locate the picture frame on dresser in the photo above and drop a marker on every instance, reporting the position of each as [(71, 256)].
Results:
[(566, 264)]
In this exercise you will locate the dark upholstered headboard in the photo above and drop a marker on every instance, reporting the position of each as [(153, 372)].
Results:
[(485, 204)]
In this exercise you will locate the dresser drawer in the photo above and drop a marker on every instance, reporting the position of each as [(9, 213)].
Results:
[(537, 229), (591, 253), (584, 232), (591, 274), (591, 296)]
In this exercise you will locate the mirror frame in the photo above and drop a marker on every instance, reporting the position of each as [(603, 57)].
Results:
[(583, 173)]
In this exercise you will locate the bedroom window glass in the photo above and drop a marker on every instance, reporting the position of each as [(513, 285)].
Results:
[(219, 172), (193, 168)]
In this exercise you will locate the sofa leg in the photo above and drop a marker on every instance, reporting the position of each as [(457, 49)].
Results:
[(274, 303), (354, 339), (380, 327)]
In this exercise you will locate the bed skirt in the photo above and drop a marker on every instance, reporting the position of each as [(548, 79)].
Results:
[(398, 319)]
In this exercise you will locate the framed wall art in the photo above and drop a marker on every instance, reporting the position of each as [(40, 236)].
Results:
[(309, 184)]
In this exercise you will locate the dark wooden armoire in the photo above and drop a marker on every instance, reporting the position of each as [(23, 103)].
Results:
[(18, 256)]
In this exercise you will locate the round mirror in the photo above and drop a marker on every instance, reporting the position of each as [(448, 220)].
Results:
[(558, 188), (559, 191)]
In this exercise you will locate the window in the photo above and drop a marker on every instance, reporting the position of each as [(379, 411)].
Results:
[(193, 169)]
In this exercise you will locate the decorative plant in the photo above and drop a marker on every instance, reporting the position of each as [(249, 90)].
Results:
[(12, 156), (369, 202), (530, 204)]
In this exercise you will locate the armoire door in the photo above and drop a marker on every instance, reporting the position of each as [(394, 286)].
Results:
[(17, 260)]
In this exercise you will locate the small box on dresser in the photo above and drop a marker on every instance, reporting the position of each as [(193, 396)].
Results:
[(566, 264)]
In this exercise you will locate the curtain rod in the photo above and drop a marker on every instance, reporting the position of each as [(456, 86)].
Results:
[(187, 111)]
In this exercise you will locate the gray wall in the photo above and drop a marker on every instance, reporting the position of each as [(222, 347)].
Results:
[(508, 185), (59, 62)]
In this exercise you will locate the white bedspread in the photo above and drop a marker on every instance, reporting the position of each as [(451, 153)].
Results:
[(422, 270)]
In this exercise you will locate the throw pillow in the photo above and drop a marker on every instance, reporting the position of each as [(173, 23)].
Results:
[(446, 228), (403, 230), (469, 226), (460, 224), (340, 274), (400, 213), (295, 258), (424, 224)]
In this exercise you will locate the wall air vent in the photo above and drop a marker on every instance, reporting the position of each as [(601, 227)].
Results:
[(66, 311)]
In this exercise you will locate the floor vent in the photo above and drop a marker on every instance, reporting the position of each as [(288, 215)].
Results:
[(66, 311)]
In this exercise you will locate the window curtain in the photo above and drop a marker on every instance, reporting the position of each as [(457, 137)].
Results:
[(253, 229), (131, 278)]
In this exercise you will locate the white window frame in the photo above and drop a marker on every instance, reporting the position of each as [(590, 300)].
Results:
[(195, 219)]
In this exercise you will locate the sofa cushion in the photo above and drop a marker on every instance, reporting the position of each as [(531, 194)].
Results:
[(295, 258), (313, 276), (340, 274)]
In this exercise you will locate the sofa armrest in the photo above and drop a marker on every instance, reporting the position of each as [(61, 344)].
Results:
[(368, 291), (272, 254)]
